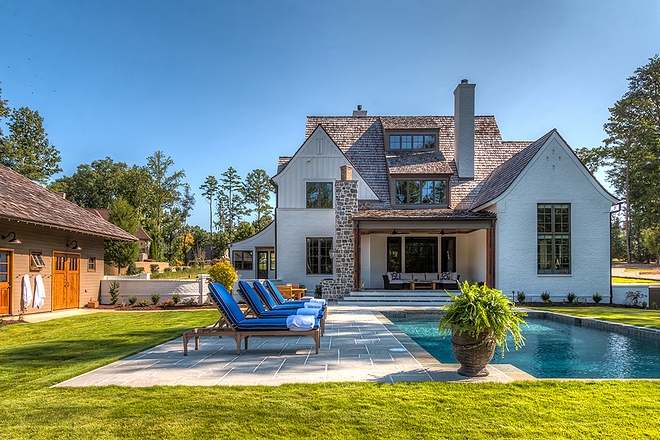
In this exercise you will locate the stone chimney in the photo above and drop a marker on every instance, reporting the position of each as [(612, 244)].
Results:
[(464, 129), (346, 172), (359, 111)]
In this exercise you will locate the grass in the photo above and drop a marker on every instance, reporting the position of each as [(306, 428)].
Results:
[(180, 274), (35, 356), (633, 280), (638, 317)]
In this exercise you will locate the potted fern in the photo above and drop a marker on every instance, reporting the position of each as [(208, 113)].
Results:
[(478, 320)]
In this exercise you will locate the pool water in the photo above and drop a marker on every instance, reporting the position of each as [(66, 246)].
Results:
[(554, 349)]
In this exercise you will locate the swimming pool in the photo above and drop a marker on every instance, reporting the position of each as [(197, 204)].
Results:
[(554, 349)]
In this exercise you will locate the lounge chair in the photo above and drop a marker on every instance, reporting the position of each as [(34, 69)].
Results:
[(269, 302), (257, 308), (234, 324), (277, 296)]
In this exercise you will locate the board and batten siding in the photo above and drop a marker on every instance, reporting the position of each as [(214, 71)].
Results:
[(555, 175), (318, 160), (48, 241)]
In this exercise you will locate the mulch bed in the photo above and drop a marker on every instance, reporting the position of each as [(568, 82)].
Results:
[(567, 304), (9, 322), (136, 308)]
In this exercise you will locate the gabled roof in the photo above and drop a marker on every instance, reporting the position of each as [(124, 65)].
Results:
[(504, 175), (22, 200)]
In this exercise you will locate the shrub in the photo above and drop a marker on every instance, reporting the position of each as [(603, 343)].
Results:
[(643, 304), (122, 304), (597, 297), (132, 269), (132, 299), (114, 292), (176, 298), (154, 268), (189, 302), (570, 296), (545, 296), (167, 303), (143, 303), (521, 296), (632, 298), (167, 269), (155, 299), (654, 305), (223, 273)]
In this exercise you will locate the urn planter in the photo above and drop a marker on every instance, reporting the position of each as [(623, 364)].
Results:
[(473, 353)]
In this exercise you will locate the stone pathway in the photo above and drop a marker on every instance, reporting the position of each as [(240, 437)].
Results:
[(359, 345)]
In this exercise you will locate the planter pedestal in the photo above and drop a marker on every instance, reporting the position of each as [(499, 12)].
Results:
[(473, 353)]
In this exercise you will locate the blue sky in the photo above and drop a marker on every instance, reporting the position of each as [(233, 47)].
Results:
[(228, 83)]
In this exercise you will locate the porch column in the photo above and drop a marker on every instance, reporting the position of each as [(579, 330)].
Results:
[(344, 244)]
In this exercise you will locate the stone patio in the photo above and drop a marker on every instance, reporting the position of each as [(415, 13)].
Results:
[(359, 345)]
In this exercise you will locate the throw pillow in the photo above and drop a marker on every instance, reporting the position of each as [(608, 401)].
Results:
[(444, 276), (395, 275)]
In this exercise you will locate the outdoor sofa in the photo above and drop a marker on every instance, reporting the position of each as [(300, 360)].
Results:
[(442, 280)]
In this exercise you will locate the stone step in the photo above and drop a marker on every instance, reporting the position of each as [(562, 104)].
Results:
[(437, 304)]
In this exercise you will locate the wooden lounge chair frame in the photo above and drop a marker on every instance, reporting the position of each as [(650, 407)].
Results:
[(226, 328)]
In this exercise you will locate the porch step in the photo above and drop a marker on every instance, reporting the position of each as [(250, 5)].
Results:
[(427, 298)]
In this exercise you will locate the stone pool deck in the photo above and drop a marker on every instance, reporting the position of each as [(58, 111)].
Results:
[(359, 345)]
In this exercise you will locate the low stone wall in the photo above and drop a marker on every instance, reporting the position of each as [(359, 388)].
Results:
[(143, 289)]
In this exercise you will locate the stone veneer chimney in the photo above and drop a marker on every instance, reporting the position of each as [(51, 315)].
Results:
[(464, 129), (346, 205)]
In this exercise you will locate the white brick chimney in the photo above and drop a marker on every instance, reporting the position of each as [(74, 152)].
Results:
[(464, 129)]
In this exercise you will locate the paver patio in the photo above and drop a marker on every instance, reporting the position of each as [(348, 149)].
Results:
[(359, 345)]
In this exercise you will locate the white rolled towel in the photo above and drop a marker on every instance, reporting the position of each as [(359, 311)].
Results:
[(310, 311), (315, 304), (300, 322)]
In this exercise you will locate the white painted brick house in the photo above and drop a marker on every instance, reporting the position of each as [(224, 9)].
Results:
[(438, 194)]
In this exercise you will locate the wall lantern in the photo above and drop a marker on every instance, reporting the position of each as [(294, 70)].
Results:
[(14, 240), (74, 245)]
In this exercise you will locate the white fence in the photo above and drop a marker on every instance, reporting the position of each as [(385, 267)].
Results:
[(143, 288)]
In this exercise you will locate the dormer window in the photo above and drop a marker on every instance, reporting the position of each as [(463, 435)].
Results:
[(412, 142), (421, 192)]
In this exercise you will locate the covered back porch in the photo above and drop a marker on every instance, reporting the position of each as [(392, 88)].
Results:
[(421, 251)]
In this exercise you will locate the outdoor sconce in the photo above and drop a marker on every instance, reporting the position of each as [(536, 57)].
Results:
[(74, 245), (14, 240), (442, 232), (332, 253)]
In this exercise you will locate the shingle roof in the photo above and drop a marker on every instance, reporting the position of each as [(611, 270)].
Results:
[(25, 201), (504, 175), (420, 214), (362, 140)]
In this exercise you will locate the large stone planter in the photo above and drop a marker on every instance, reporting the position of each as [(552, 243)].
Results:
[(473, 353)]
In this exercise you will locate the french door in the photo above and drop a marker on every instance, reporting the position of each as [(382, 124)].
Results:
[(5, 280), (66, 281)]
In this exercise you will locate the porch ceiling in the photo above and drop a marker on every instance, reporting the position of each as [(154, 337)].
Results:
[(425, 226)]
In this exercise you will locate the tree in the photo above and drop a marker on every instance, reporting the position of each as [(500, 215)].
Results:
[(256, 191), (4, 110), (231, 206), (244, 230), (96, 185), (162, 194), (123, 215), (211, 189), (26, 149), (631, 153), (651, 241)]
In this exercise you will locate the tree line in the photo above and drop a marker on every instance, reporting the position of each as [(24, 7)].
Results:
[(630, 156), (153, 196)]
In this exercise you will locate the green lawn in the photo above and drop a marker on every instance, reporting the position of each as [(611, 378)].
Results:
[(638, 317), (35, 356), (633, 280)]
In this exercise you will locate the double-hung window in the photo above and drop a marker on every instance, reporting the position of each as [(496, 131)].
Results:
[(318, 260), (554, 238), (319, 195)]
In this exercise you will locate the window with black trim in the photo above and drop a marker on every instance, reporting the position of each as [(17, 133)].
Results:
[(319, 194), (421, 192), (412, 141), (242, 260), (554, 238), (318, 260)]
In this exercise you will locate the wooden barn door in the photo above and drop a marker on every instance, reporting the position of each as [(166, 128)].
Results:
[(5, 279), (66, 281)]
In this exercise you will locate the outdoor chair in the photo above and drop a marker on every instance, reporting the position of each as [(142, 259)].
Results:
[(257, 308), (277, 296), (234, 324), (270, 301)]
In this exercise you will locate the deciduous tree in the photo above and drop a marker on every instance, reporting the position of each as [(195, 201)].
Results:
[(123, 215)]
